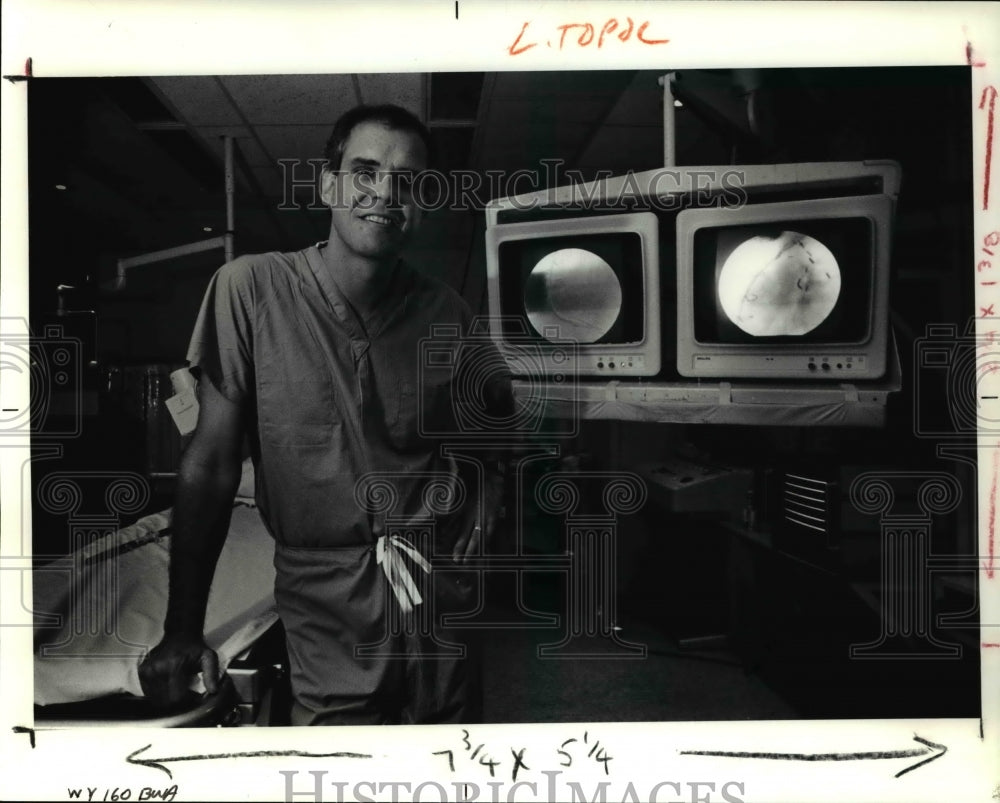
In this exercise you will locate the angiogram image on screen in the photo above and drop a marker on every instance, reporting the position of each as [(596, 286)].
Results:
[(585, 287), (575, 292), (783, 285), (786, 281)]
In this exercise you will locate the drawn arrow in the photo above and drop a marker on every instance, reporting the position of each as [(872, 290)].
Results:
[(912, 753), (159, 762), (990, 92)]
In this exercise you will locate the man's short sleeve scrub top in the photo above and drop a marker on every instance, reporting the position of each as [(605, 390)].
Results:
[(329, 398)]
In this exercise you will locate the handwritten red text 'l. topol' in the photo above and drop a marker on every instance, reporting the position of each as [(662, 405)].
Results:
[(585, 34)]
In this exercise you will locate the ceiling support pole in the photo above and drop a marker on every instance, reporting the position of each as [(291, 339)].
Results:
[(669, 123)]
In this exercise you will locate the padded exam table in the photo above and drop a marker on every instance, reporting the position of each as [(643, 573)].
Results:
[(98, 611)]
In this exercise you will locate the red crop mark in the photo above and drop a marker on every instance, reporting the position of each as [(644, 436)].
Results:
[(987, 312), (990, 644), (970, 57), (991, 542), (990, 91)]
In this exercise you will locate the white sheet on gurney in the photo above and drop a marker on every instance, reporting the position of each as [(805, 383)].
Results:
[(95, 651)]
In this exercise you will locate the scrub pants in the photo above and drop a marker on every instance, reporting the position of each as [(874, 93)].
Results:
[(357, 659)]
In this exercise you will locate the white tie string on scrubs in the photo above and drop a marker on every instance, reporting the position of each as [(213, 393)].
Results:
[(387, 554)]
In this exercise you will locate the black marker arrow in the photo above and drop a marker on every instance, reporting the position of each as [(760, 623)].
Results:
[(159, 762), (912, 753)]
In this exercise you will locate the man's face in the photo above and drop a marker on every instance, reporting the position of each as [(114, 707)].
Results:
[(370, 199)]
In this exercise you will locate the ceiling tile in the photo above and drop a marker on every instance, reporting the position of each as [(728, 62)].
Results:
[(567, 85), (402, 89), (291, 99), (294, 141), (197, 100)]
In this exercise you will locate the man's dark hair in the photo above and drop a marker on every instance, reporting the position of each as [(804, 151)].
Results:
[(387, 114)]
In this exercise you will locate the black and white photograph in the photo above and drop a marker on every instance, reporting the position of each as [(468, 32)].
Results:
[(614, 431)]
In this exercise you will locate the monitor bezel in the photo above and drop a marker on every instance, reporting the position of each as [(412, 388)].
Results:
[(585, 359), (782, 361)]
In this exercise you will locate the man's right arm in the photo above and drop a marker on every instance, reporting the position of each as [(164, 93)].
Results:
[(208, 477)]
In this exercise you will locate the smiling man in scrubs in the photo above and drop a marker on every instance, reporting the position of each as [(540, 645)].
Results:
[(313, 357)]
